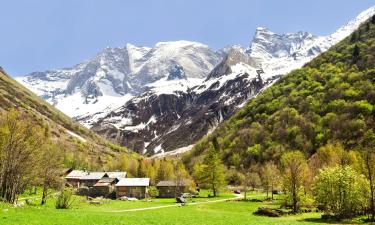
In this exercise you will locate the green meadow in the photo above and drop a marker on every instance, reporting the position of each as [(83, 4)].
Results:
[(201, 210)]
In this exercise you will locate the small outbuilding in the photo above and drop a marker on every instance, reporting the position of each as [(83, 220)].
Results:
[(171, 188), (133, 187), (105, 186)]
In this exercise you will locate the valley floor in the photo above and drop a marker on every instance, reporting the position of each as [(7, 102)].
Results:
[(218, 211)]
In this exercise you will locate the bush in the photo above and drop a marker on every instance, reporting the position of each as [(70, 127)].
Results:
[(83, 191), (64, 199), (269, 212), (153, 192)]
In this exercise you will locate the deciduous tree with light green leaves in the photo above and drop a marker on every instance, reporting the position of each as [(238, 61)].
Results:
[(295, 172), (341, 191)]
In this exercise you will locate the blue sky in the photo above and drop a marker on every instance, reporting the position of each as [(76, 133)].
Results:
[(36, 35)]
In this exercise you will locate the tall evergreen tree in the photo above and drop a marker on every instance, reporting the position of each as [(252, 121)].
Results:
[(212, 172), (356, 52)]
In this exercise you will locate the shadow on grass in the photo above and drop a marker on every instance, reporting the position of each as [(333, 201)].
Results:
[(324, 221)]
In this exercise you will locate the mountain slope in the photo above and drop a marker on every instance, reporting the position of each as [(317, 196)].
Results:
[(79, 142), (330, 99)]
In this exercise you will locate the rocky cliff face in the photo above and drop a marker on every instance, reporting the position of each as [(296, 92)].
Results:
[(158, 122)]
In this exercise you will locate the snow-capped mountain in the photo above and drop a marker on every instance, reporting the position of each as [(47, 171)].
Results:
[(167, 97), (117, 74)]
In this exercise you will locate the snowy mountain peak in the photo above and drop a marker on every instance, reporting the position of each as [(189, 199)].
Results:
[(235, 55), (267, 44), (179, 44)]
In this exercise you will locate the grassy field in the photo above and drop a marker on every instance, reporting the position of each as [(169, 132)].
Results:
[(236, 212)]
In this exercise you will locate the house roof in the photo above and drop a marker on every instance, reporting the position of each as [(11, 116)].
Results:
[(116, 174), (76, 174), (172, 183), (134, 182), (93, 176)]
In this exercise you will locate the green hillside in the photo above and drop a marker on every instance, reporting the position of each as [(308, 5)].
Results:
[(85, 146), (331, 99)]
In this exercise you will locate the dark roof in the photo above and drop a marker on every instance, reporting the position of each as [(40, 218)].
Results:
[(172, 183), (107, 180)]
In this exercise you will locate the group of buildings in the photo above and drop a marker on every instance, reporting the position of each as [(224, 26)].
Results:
[(107, 183)]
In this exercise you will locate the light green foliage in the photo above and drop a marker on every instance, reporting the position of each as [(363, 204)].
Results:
[(19, 143), (153, 191), (64, 199), (342, 191)]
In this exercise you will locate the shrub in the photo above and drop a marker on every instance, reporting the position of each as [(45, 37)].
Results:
[(64, 199), (269, 212), (153, 191)]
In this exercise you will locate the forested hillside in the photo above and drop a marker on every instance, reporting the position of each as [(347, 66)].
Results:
[(331, 99), (82, 147)]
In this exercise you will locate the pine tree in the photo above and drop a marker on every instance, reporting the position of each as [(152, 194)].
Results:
[(354, 37), (142, 169), (213, 172), (356, 52)]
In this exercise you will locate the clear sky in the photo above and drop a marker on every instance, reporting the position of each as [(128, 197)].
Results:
[(36, 35)]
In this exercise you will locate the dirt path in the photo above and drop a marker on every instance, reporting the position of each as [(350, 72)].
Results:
[(175, 205)]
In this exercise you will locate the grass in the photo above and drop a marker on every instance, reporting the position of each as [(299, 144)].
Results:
[(236, 212)]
